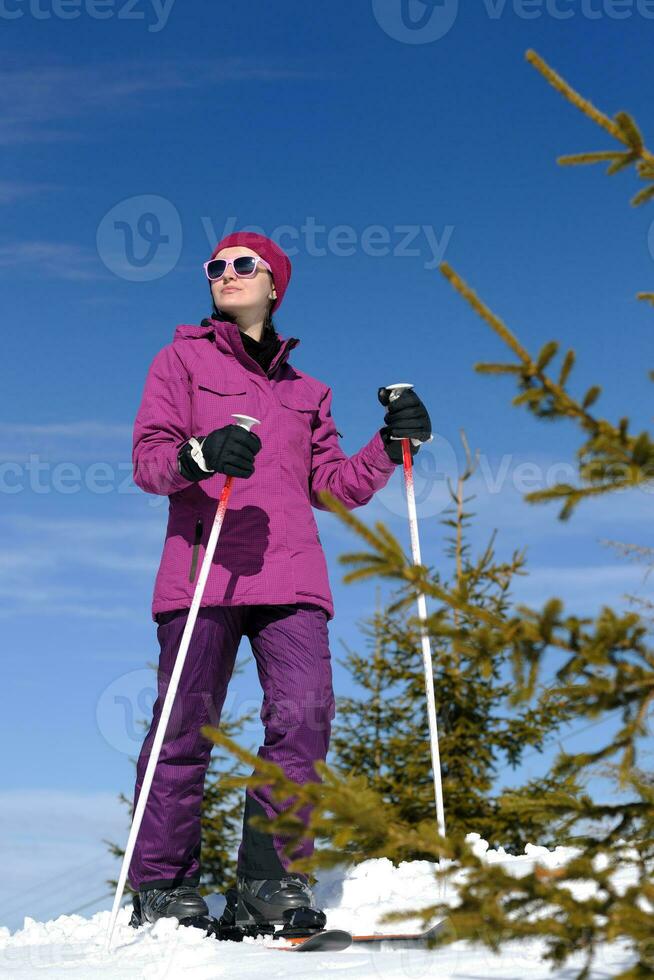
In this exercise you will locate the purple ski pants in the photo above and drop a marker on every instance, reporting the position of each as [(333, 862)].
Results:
[(290, 644)]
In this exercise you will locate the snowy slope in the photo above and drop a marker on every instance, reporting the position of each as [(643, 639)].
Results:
[(73, 946)]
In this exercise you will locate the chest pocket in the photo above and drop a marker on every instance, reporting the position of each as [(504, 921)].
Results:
[(215, 401), (298, 410)]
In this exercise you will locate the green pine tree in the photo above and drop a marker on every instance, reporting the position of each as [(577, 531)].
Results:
[(384, 733)]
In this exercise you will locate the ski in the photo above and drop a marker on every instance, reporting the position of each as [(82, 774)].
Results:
[(401, 940), (326, 941), (332, 940)]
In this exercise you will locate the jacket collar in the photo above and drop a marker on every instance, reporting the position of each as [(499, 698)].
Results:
[(227, 338)]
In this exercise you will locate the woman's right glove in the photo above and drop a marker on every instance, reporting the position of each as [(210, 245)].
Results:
[(230, 450)]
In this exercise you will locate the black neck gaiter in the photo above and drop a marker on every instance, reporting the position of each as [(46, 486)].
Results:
[(262, 351)]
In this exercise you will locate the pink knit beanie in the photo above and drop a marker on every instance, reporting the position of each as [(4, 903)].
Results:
[(268, 250)]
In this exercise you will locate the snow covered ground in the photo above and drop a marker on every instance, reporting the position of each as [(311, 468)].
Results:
[(73, 946)]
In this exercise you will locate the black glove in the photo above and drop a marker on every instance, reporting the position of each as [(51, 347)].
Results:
[(406, 417), (230, 450)]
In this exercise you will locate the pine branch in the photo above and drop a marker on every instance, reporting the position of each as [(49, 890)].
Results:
[(611, 458), (584, 105), (623, 128)]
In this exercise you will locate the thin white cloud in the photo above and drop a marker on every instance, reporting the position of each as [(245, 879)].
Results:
[(58, 547), (44, 605), (59, 259), (84, 441), (81, 567), (584, 589), (14, 190), (587, 576), (102, 301), (74, 430), (37, 104), (46, 103), (13, 559), (69, 814), (34, 560), (84, 529)]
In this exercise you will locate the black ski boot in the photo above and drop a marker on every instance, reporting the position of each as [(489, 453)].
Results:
[(184, 902), (257, 905)]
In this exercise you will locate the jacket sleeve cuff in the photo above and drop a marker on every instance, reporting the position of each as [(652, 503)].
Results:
[(177, 481), (376, 456)]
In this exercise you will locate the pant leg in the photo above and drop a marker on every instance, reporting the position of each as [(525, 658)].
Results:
[(167, 849), (291, 647)]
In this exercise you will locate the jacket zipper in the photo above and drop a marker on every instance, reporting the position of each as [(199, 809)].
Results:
[(196, 548)]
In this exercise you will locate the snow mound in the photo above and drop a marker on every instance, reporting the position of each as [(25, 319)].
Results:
[(354, 898)]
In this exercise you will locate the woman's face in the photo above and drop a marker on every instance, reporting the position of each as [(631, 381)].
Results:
[(233, 295)]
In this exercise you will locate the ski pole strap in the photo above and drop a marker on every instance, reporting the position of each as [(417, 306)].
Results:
[(197, 455)]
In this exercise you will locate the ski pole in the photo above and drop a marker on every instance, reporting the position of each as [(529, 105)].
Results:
[(395, 392), (246, 421)]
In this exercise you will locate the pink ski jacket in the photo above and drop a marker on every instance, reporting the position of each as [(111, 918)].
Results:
[(269, 550)]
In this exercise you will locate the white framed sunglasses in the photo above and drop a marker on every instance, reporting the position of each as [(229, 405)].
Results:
[(244, 266)]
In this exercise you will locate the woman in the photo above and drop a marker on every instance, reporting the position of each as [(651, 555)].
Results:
[(268, 579)]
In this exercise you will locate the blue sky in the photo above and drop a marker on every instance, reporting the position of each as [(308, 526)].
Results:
[(370, 158)]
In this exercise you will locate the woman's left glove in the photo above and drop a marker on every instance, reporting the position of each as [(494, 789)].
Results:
[(406, 417)]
